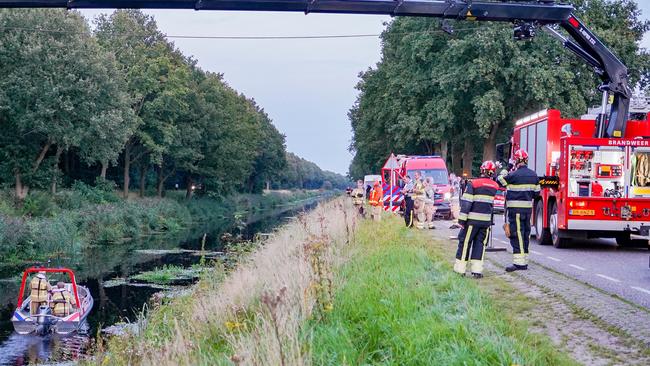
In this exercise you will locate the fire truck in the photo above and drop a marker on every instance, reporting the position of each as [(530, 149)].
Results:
[(432, 167), (592, 186)]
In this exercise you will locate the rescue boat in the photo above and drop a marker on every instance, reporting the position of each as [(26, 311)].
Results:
[(45, 321)]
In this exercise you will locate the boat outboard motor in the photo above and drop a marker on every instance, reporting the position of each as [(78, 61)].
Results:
[(44, 319)]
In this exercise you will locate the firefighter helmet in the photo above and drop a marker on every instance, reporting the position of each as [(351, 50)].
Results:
[(488, 167), (521, 156)]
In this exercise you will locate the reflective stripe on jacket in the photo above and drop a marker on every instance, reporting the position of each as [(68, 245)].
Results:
[(522, 186), (477, 201), (357, 196)]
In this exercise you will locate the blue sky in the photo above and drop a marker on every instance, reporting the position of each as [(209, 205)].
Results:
[(306, 86)]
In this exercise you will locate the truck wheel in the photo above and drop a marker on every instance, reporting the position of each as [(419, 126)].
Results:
[(624, 240), (557, 241), (542, 235)]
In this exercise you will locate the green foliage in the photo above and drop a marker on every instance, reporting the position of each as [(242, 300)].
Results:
[(460, 94), (400, 305), (168, 274)]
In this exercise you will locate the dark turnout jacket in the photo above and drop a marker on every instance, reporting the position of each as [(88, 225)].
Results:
[(477, 201), (522, 186)]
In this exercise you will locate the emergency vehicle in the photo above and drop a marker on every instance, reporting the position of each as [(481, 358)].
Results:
[(432, 166), (591, 187)]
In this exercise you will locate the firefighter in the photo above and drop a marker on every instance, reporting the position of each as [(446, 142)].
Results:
[(62, 300), (522, 186), (376, 200), (358, 198), (429, 202), (408, 201), (40, 288), (475, 219), (419, 200)]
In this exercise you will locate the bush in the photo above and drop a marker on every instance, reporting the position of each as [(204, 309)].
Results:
[(39, 204)]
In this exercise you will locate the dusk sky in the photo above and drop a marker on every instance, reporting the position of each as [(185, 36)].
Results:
[(306, 86)]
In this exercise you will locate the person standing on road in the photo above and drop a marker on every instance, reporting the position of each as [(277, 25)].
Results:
[(358, 198), (429, 202), (475, 219), (376, 200), (419, 198), (408, 201), (522, 186)]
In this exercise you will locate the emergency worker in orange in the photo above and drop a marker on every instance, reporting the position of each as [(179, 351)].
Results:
[(376, 200)]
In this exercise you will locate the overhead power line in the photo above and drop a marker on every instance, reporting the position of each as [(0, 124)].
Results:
[(256, 37)]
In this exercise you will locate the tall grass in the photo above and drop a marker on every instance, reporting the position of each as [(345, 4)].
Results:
[(254, 315), (398, 304)]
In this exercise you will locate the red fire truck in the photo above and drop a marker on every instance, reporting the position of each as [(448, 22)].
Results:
[(592, 187)]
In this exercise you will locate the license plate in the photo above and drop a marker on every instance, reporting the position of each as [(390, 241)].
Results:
[(582, 212)]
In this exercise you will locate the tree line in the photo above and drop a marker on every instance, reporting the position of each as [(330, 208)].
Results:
[(458, 95), (121, 102)]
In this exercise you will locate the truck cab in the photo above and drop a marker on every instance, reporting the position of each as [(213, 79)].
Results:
[(433, 167)]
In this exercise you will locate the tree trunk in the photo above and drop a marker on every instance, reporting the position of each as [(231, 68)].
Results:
[(66, 162), (188, 191), (468, 157), (456, 157), (444, 149), (143, 177), (41, 156), (21, 190), (159, 181), (490, 147), (104, 169), (127, 169), (55, 166)]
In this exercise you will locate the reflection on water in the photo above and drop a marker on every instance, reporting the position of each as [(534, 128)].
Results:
[(96, 265)]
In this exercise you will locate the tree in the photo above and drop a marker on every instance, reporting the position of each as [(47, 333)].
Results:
[(57, 88), (434, 93)]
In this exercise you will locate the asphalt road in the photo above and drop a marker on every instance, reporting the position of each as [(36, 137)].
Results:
[(597, 262)]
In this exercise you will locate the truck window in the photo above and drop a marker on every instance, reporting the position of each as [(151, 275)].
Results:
[(597, 171)]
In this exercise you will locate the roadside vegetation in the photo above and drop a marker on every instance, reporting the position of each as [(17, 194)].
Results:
[(398, 302), (49, 225), (329, 290)]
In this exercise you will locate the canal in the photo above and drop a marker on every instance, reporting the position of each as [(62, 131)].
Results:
[(116, 301)]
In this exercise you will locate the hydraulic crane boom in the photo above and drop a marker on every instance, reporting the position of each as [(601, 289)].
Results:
[(527, 16)]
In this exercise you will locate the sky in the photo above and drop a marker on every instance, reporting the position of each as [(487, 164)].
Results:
[(306, 86)]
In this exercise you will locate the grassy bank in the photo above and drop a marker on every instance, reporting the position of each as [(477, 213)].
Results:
[(45, 225), (328, 290), (399, 303), (253, 314)]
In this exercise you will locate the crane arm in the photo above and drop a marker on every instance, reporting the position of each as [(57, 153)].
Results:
[(527, 15)]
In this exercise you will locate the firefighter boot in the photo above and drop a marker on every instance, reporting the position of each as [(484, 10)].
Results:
[(477, 275), (516, 267)]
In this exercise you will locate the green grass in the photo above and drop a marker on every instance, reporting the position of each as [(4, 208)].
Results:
[(399, 303), (168, 274)]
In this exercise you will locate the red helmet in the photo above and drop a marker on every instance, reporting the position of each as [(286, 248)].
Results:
[(521, 156), (488, 167)]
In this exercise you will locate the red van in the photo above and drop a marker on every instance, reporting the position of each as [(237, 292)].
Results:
[(434, 167)]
